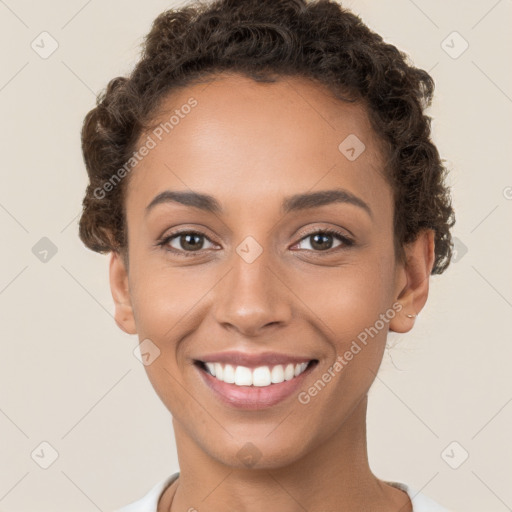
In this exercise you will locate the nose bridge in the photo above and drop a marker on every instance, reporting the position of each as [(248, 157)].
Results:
[(252, 296)]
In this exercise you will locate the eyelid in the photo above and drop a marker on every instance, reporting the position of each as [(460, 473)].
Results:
[(341, 231)]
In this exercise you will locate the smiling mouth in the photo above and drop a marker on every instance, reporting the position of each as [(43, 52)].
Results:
[(261, 376)]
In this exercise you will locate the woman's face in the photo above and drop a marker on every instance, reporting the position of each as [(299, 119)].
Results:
[(255, 278)]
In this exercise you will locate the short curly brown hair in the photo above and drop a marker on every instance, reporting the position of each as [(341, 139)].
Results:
[(266, 39)]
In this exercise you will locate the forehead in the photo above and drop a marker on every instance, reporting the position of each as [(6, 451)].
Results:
[(244, 140)]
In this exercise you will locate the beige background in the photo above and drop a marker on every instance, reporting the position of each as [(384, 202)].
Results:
[(68, 375)]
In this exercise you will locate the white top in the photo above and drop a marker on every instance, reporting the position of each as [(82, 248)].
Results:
[(420, 502)]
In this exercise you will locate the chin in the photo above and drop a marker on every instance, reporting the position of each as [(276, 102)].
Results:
[(258, 451)]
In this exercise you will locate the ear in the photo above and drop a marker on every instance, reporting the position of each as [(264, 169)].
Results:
[(121, 294), (412, 279)]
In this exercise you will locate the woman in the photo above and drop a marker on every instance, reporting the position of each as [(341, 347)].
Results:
[(273, 204)]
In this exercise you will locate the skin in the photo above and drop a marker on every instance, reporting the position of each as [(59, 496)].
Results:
[(250, 145)]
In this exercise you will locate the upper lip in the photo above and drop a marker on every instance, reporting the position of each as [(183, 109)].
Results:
[(249, 360)]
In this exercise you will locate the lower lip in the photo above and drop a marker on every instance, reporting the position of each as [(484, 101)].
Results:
[(254, 397)]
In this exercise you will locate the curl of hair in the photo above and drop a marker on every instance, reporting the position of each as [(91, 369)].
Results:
[(266, 39)]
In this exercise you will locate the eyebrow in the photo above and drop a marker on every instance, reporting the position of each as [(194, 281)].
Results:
[(202, 201), (322, 198), (293, 203)]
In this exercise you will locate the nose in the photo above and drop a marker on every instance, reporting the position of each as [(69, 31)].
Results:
[(252, 298)]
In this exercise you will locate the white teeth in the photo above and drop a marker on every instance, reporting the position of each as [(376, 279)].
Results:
[(229, 374), (299, 368), (218, 371), (289, 372), (260, 377), (211, 368), (277, 374), (243, 376)]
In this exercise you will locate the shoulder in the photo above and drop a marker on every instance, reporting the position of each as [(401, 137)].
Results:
[(149, 502), (420, 502)]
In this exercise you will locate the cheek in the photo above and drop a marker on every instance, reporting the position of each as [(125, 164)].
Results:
[(163, 299), (350, 305), (165, 304), (353, 297)]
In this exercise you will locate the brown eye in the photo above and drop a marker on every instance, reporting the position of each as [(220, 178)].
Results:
[(191, 242), (323, 240), (187, 241)]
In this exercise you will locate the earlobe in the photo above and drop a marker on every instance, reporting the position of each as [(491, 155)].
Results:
[(120, 290), (412, 296)]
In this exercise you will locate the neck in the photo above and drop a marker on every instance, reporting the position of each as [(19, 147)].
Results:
[(333, 475)]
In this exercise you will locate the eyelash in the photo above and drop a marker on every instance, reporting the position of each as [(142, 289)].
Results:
[(347, 242)]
